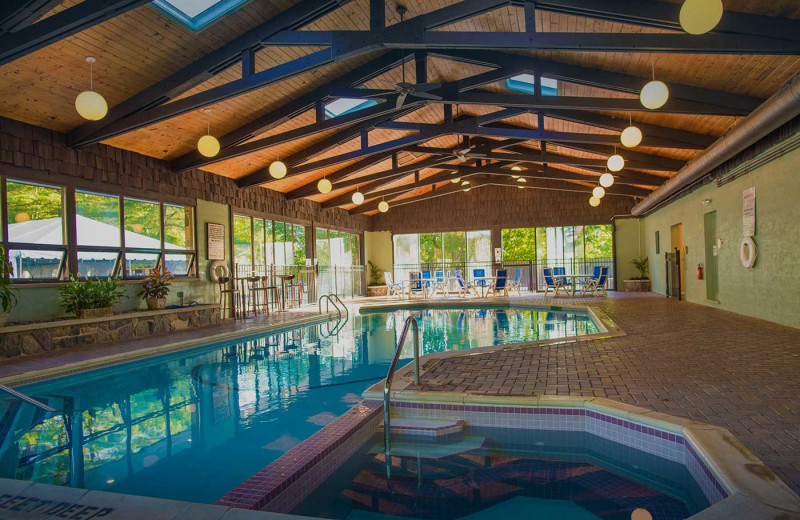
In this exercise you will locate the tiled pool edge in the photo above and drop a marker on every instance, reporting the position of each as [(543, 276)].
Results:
[(35, 376), (737, 470)]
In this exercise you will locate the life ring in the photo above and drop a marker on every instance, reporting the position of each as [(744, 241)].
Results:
[(748, 252), (218, 269)]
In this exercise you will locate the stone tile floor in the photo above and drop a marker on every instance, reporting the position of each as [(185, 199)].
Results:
[(679, 358)]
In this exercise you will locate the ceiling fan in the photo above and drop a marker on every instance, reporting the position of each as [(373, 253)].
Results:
[(405, 89)]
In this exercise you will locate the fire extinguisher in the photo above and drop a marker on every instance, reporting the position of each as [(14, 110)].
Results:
[(699, 271)]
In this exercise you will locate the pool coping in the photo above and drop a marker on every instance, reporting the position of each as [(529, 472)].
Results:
[(745, 478), (35, 376)]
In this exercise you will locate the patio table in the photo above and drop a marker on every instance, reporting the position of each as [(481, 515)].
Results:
[(484, 287), (574, 278)]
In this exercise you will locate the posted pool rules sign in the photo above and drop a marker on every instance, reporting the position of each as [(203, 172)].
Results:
[(749, 212)]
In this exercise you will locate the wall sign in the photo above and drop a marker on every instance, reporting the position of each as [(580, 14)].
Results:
[(749, 212), (498, 254), (215, 241)]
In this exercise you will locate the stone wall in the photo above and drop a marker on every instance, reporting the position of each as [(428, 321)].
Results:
[(495, 207), (37, 154), (26, 340)]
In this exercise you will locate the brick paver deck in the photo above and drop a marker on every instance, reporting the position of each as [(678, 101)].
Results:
[(678, 358)]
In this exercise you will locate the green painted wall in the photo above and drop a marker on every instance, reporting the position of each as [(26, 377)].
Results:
[(378, 249), (629, 243), (771, 289), (41, 302)]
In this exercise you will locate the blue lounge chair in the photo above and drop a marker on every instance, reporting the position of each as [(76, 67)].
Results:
[(515, 283), (560, 274), (500, 286), (551, 282), (465, 287), (393, 288), (416, 285), (596, 286), (439, 284)]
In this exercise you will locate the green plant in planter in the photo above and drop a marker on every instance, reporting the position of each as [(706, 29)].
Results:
[(642, 264), (79, 296), (157, 284), (375, 274), (8, 296)]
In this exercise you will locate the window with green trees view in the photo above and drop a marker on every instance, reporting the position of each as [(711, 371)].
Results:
[(338, 248), (258, 241), (113, 235), (454, 247), (557, 244)]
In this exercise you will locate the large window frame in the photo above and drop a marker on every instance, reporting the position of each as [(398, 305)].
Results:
[(350, 242), (71, 250), (269, 232)]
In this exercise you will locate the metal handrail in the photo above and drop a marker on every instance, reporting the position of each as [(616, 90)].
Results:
[(328, 306), (387, 385), (27, 399), (346, 312)]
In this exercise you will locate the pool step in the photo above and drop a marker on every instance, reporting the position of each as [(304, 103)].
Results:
[(433, 450), (418, 426)]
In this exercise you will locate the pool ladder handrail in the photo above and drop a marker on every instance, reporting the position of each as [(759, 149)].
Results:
[(330, 301), (27, 399), (387, 385)]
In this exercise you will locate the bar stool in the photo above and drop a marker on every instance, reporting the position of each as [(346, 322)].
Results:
[(227, 295), (258, 295), (296, 291)]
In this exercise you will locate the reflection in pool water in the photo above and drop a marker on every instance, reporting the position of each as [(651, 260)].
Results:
[(193, 424)]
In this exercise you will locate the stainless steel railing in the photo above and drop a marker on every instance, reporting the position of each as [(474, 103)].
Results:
[(27, 399), (332, 299), (387, 385)]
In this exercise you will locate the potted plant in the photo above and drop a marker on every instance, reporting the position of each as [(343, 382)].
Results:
[(8, 296), (376, 286), (640, 283), (156, 288), (92, 298)]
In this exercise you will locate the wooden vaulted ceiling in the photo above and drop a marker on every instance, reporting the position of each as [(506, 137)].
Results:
[(139, 50)]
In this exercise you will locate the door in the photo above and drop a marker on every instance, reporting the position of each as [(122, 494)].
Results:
[(711, 268), (676, 242)]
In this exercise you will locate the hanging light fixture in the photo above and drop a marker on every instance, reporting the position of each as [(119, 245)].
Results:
[(521, 179), (700, 16), (89, 104), (277, 170), (208, 145), (516, 168), (598, 192), (466, 190), (594, 202), (383, 206), (465, 183), (521, 187), (358, 197), (324, 185), (631, 136), (655, 93), (456, 180), (615, 163), (606, 180)]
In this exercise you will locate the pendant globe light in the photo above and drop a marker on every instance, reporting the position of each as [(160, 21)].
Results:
[(277, 170), (358, 197), (466, 190), (598, 192), (89, 104), (655, 93), (208, 145), (594, 202), (324, 185), (615, 163), (700, 16), (521, 179), (456, 180), (383, 206), (606, 180), (631, 137)]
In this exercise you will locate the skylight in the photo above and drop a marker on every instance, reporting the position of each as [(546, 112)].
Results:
[(524, 83), (344, 106), (196, 14)]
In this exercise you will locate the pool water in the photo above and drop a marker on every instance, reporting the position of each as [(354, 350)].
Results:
[(192, 425), (492, 473)]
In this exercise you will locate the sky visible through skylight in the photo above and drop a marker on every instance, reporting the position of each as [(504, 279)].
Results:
[(192, 8), (347, 105), (524, 83)]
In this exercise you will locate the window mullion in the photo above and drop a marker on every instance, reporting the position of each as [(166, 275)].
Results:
[(70, 218)]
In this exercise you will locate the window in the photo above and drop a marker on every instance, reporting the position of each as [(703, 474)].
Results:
[(323, 247), (344, 106), (113, 235), (337, 248), (455, 247), (479, 246), (36, 241), (196, 14), (242, 240), (258, 241), (525, 83)]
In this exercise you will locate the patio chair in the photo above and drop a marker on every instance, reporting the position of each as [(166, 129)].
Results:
[(560, 274), (587, 281), (415, 284), (598, 286), (500, 283), (480, 273), (427, 282), (515, 283), (465, 287), (440, 284), (551, 282), (392, 288)]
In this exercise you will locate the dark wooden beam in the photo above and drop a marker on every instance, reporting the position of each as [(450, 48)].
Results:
[(60, 25), (18, 14)]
